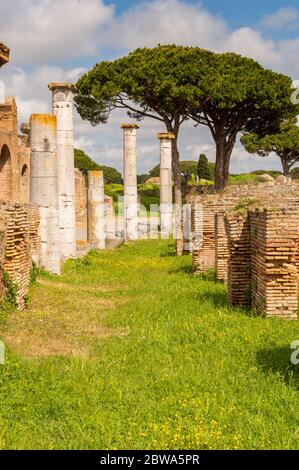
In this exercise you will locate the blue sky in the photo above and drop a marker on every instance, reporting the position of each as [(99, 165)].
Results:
[(237, 13), (59, 40)]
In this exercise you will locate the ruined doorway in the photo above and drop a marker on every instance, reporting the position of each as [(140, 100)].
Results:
[(5, 174), (25, 184)]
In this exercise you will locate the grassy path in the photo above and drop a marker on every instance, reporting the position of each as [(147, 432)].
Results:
[(128, 350)]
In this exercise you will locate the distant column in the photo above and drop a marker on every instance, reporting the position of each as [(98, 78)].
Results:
[(44, 186), (62, 103), (166, 214), (130, 182), (96, 210)]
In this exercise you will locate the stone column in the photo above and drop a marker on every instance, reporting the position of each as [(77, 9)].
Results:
[(44, 186), (62, 103), (166, 183), (130, 182), (96, 210)]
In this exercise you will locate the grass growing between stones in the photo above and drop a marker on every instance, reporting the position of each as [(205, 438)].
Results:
[(128, 350)]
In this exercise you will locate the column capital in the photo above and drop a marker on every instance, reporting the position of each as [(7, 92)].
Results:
[(129, 126), (95, 173), (61, 85), (44, 120), (4, 54), (166, 135)]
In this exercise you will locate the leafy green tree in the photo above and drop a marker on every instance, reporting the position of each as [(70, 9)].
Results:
[(240, 96), (226, 92), (284, 143), (295, 173), (153, 83), (111, 175), (85, 164), (264, 172), (203, 169), (188, 170), (142, 178), (155, 172)]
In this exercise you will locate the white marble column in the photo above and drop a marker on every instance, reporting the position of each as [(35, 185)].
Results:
[(130, 182), (166, 208), (96, 210), (44, 187), (62, 104)]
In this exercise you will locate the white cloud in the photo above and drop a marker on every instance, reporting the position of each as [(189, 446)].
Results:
[(165, 21), (49, 30), (286, 17), (30, 88), (248, 42)]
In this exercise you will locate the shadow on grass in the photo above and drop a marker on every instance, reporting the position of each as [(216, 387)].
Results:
[(186, 269), (278, 361), (170, 252), (218, 299), (209, 275)]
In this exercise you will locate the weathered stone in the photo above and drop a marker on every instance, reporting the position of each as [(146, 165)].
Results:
[(96, 210), (166, 206), (44, 187), (4, 54), (265, 178), (81, 212), (62, 102), (130, 181)]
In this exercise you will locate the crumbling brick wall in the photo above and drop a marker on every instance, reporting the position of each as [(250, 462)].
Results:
[(262, 271), (239, 279), (18, 224), (206, 206), (81, 211), (273, 245), (203, 230), (221, 247), (34, 234)]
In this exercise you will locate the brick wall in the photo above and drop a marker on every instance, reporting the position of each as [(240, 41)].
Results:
[(19, 241)]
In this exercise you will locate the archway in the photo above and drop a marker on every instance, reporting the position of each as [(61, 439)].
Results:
[(5, 174), (25, 184)]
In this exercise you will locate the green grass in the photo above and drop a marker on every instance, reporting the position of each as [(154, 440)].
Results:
[(128, 350), (149, 195), (246, 178)]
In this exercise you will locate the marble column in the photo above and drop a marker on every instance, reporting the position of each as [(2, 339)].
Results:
[(44, 187), (96, 210), (166, 208), (62, 105), (130, 182)]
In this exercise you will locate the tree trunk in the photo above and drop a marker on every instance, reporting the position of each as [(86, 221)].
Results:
[(223, 155), (285, 166), (177, 196)]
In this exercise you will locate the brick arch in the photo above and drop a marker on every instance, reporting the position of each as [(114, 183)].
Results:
[(5, 174)]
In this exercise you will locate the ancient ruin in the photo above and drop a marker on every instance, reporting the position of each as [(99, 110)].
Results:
[(81, 212), (96, 210), (44, 187), (166, 201), (130, 181), (19, 220), (253, 243), (62, 107), (50, 211)]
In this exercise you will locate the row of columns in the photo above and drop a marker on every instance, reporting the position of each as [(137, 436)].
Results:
[(52, 185), (130, 182)]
